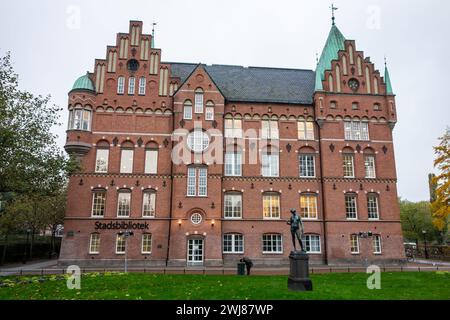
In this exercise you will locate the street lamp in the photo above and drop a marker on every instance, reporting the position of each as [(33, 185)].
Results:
[(424, 232), (126, 235)]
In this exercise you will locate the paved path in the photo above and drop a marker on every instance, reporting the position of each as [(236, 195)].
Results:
[(433, 263), (27, 267)]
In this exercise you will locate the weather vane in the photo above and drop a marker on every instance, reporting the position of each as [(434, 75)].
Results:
[(333, 9)]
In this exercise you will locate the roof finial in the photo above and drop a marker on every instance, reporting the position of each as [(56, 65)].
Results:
[(153, 34), (333, 9), (317, 57), (385, 61)]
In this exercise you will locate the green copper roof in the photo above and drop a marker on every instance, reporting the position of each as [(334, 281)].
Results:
[(335, 42), (83, 83), (387, 79)]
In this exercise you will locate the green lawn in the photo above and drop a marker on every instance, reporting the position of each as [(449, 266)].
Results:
[(398, 286)]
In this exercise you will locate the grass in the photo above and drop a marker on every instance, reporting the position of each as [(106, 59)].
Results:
[(110, 286)]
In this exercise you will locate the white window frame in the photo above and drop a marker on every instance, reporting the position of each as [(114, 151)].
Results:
[(144, 240), (199, 102), (354, 244), (187, 110), (102, 168), (377, 244), (233, 164), (311, 207), (370, 206), (149, 196), (270, 130), (121, 85), (97, 243), (120, 208), (121, 239), (198, 141), (354, 203), (356, 130), (197, 182), (306, 130), (94, 204), (234, 243), (270, 164), (142, 85), (271, 199), (235, 131), (131, 85), (307, 167), (234, 199), (278, 238), (347, 164), (309, 240), (209, 113), (370, 167), (151, 161), (126, 155)]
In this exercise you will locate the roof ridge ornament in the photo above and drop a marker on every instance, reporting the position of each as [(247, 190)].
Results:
[(153, 34), (333, 9)]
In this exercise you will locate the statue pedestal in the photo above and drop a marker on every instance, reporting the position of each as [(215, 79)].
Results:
[(299, 276)]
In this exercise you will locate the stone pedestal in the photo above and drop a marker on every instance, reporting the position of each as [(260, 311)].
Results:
[(299, 275)]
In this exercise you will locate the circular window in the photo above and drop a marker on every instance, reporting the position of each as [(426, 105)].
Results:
[(198, 141), (196, 218), (133, 65)]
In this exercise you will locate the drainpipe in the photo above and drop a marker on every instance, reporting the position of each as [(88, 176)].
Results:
[(171, 186)]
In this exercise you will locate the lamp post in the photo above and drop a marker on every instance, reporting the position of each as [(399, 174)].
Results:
[(424, 232), (126, 235)]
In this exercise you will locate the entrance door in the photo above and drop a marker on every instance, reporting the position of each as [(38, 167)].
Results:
[(195, 252)]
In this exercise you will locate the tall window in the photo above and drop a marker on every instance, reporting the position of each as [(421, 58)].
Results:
[(233, 164), (146, 243), (126, 160), (351, 207), (233, 128), (209, 111), (98, 203), (142, 85), (151, 161), (233, 206), (270, 164), (369, 164), (354, 244), (80, 119), (308, 206), (306, 130), (149, 205), (349, 170), (272, 243), (271, 206), (121, 85), (356, 130), (199, 175), (307, 166), (312, 243), (372, 207), (123, 204), (131, 85), (101, 162), (187, 111), (94, 244), (233, 243), (376, 244), (270, 129), (199, 101), (120, 244)]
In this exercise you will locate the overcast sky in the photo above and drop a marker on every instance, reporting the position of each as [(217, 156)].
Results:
[(54, 42)]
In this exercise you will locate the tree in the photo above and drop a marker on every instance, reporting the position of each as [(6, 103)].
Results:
[(441, 206)]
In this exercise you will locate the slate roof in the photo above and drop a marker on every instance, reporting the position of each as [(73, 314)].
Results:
[(256, 84)]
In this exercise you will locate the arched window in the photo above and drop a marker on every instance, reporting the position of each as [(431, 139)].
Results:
[(126, 158), (209, 111), (348, 157), (123, 203), (121, 85), (80, 118), (372, 206), (98, 203), (199, 100), (102, 157), (338, 78), (330, 83), (187, 112), (142, 86), (149, 204), (131, 85), (151, 158), (271, 205)]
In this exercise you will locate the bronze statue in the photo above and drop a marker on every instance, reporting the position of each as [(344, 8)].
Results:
[(297, 229)]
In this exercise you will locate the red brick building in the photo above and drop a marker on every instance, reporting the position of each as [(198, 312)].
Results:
[(204, 162)]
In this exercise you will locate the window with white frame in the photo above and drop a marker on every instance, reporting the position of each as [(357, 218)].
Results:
[(199, 101), (121, 85), (94, 244), (126, 161), (354, 244), (351, 206), (197, 184), (269, 129), (187, 110), (151, 161), (146, 243), (233, 164), (233, 243), (233, 206), (142, 86), (209, 111), (120, 244), (271, 206), (198, 140), (369, 164), (123, 204), (349, 170), (356, 130), (270, 164), (307, 166), (272, 243), (98, 203), (308, 206), (372, 207), (131, 85), (233, 128), (376, 244), (149, 204), (80, 118), (101, 161), (305, 130), (312, 243)]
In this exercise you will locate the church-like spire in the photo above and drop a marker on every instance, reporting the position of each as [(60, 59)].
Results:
[(335, 43), (387, 79), (153, 35)]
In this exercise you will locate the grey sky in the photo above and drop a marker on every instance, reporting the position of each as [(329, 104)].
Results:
[(49, 54)]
